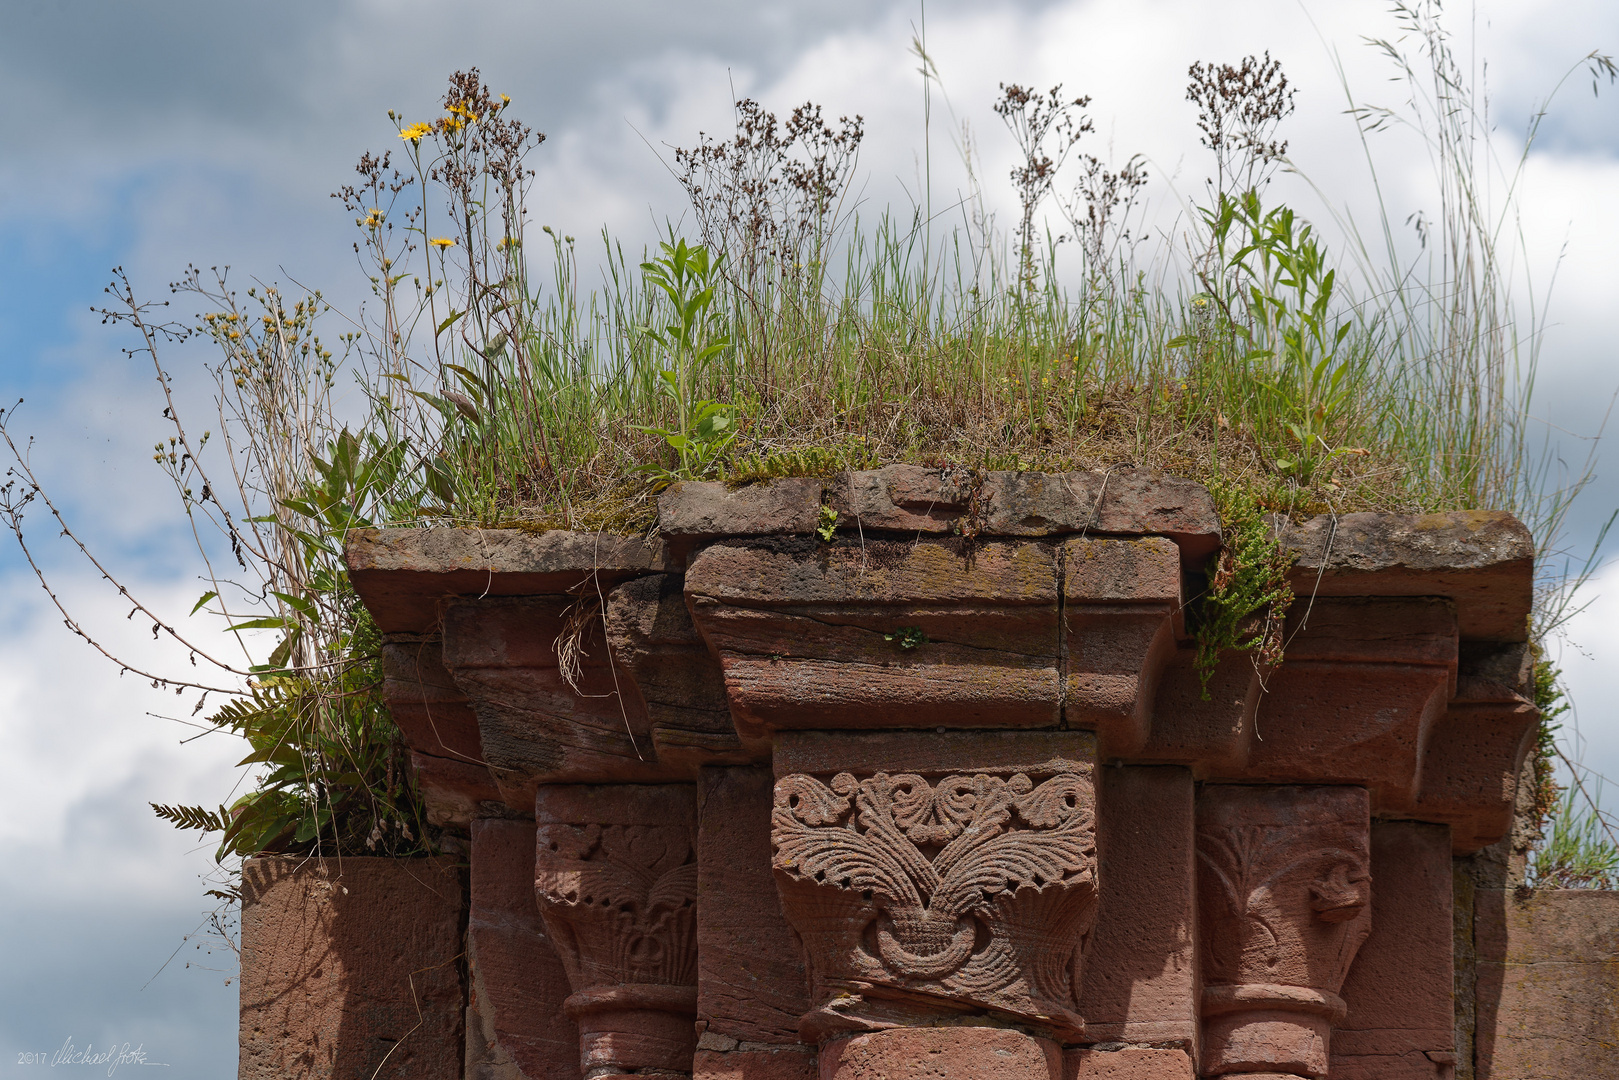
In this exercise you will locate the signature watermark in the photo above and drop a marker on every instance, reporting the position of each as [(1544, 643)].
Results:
[(70, 1053)]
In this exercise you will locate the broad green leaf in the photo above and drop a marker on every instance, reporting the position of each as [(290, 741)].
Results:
[(273, 623)]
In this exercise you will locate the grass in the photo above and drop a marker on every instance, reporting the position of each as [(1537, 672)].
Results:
[(830, 340)]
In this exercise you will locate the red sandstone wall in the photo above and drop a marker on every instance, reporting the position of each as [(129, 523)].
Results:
[(351, 969), (1547, 984)]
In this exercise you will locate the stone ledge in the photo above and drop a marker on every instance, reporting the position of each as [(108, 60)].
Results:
[(402, 574), (1482, 559)]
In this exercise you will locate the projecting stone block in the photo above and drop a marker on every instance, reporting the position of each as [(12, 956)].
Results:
[(1483, 560), (1473, 760), (881, 634), (405, 575), (1213, 734), (441, 729), (697, 510), (533, 725), (902, 498), (672, 678), (1120, 597), (1362, 684)]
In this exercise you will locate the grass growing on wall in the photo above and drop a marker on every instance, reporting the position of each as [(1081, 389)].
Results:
[(778, 331)]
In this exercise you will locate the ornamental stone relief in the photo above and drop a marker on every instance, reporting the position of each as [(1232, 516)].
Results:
[(909, 705), (969, 892), (1284, 882), (617, 888), (621, 901)]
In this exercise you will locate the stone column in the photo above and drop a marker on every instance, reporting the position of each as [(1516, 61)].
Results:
[(1284, 884), (937, 881), (616, 878)]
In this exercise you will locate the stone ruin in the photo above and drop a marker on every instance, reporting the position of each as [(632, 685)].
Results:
[(942, 796)]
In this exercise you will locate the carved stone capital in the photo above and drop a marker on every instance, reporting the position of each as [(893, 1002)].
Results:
[(1284, 884), (615, 874), (950, 887)]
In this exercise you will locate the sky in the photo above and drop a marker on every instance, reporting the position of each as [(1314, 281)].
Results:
[(149, 136)]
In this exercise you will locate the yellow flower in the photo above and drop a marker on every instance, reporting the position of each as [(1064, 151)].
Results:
[(442, 241), (415, 132), (504, 100), (452, 123)]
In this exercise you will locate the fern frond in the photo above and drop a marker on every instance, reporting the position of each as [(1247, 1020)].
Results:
[(194, 817)]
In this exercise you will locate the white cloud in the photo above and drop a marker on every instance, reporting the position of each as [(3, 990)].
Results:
[(1591, 730)]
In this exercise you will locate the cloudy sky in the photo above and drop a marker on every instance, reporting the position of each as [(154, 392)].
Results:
[(152, 135)]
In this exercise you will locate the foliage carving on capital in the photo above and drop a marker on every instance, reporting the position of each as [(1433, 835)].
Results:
[(1282, 907), (620, 902), (974, 889), (1285, 900)]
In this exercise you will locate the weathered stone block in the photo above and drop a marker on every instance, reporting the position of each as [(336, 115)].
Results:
[(433, 714), (942, 1053), (534, 727), (831, 636), (1213, 735), (1474, 756), (351, 969), (404, 575), (453, 792), (911, 498), (440, 727), (1400, 1023), (1144, 502), (1120, 599), (672, 677), (1483, 560), (1038, 504), (699, 510), (518, 984), (1362, 684), (1128, 1063), (1140, 983), (751, 984), (901, 498)]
